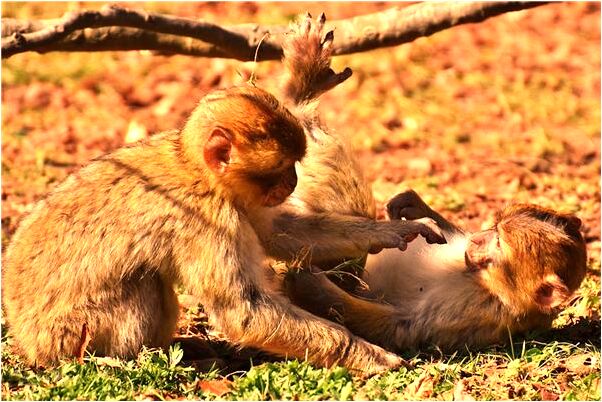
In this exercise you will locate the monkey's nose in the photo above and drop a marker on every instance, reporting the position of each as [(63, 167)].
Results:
[(478, 239)]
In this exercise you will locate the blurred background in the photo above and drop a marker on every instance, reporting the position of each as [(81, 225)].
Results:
[(472, 117)]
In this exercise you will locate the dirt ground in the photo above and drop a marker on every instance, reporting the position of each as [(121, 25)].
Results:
[(473, 117)]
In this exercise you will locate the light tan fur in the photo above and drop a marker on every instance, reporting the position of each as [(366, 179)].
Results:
[(327, 220), (428, 295), (425, 294), (102, 252)]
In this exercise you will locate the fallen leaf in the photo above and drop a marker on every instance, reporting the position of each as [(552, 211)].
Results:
[(217, 387), (421, 388), (582, 364), (547, 395)]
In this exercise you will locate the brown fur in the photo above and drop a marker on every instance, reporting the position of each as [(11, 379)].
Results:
[(426, 294), (324, 219), (104, 249), (307, 61)]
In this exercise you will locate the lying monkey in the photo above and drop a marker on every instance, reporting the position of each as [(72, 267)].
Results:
[(471, 291)]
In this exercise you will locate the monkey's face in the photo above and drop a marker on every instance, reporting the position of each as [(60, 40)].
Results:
[(273, 188), (483, 250), (252, 147), (533, 258)]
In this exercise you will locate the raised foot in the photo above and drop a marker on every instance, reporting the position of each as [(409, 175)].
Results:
[(408, 205), (307, 54)]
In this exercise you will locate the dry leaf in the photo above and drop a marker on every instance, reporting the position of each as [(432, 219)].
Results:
[(421, 388), (217, 387), (461, 393), (582, 364), (547, 395)]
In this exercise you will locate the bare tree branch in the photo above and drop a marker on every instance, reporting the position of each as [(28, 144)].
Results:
[(235, 44), (116, 28), (123, 38)]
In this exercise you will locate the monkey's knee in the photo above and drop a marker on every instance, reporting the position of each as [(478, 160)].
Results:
[(46, 345)]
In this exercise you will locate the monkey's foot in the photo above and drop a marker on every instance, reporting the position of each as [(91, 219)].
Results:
[(377, 362), (408, 205), (307, 54)]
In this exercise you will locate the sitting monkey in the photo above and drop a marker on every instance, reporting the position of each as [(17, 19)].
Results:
[(92, 268)]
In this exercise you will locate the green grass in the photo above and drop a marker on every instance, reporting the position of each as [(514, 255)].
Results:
[(563, 362), (523, 371)]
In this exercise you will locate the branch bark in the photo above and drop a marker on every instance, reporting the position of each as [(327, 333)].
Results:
[(116, 28)]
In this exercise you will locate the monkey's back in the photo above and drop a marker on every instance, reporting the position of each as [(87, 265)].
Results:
[(330, 178), (89, 236)]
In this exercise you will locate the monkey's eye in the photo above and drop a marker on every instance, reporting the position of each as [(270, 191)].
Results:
[(266, 180)]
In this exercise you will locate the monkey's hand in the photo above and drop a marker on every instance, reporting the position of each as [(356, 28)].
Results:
[(398, 233), (408, 205), (307, 56)]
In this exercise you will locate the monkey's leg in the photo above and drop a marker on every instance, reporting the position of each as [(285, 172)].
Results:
[(242, 302), (274, 325), (143, 311), (379, 323)]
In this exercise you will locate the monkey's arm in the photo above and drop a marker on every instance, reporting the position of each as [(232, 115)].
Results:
[(331, 236), (409, 205), (240, 299)]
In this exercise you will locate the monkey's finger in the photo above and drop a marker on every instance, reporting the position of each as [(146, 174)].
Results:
[(433, 236), (430, 231), (333, 79), (327, 42), (307, 24), (410, 237), (403, 245), (321, 21)]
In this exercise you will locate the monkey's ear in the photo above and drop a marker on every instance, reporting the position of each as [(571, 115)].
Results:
[(551, 293), (217, 150)]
